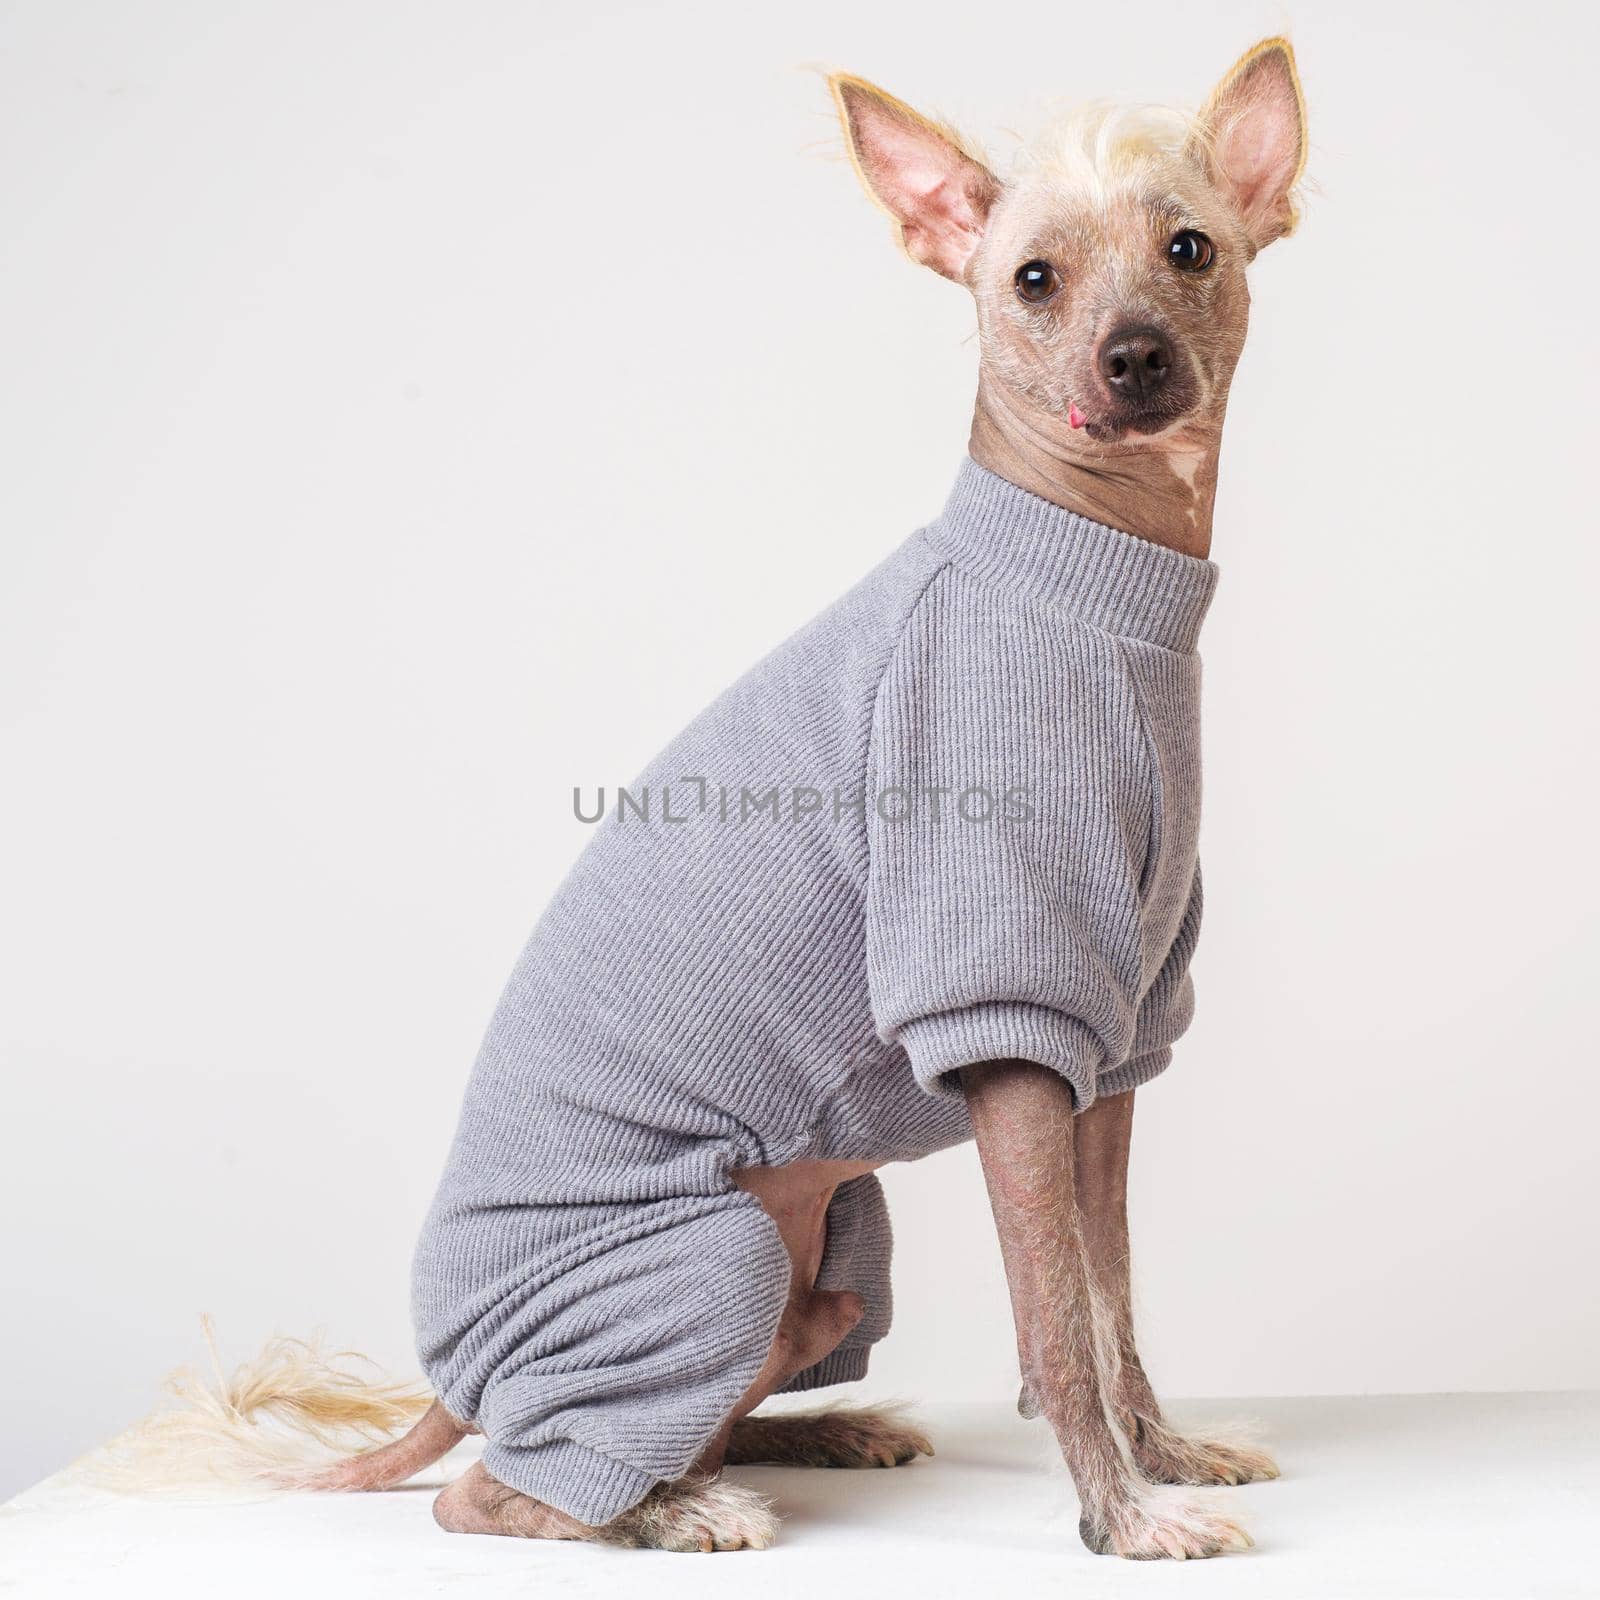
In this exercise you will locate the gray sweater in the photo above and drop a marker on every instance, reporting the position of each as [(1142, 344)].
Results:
[(953, 819)]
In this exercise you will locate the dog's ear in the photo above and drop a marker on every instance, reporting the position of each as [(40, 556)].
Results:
[(1251, 140), (938, 194)]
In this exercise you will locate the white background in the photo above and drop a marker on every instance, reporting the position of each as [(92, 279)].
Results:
[(414, 410)]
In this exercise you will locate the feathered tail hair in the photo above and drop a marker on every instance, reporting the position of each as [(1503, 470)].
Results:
[(289, 1418)]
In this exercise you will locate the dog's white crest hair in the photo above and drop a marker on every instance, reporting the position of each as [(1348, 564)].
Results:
[(1093, 145), (294, 1406)]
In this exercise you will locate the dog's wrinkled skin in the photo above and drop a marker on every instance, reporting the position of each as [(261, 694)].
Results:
[(1100, 205)]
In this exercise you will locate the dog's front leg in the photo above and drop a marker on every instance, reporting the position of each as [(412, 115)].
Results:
[(1022, 1115), (1102, 1137)]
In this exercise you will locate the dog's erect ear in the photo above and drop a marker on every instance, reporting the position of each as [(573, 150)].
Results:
[(1251, 139), (938, 194)]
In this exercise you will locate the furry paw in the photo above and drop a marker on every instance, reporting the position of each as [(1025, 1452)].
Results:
[(844, 1436), (1161, 1527), (1163, 1456), (695, 1514)]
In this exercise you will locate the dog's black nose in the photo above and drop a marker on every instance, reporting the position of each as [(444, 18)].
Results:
[(1135, 362)]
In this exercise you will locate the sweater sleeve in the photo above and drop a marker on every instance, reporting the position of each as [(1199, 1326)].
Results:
[(1167, 1008), (1008, 823)]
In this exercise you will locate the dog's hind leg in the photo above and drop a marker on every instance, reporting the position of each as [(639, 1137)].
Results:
[(1102, 1136), (699, 1511), (840, 1436), (693, 1514)]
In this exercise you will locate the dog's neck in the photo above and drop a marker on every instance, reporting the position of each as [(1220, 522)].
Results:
[(1161, 490)]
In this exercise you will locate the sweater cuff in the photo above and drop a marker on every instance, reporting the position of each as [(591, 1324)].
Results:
[(839, 1366), (941, 1044), (1132, 1073), (572, 1478)]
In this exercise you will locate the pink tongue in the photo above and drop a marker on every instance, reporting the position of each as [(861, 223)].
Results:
[(1075, 418)]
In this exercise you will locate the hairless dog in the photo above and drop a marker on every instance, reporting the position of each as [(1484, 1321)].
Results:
[(661, 1206)]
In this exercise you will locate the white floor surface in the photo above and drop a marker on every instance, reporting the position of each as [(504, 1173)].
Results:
[(1462, 1497)]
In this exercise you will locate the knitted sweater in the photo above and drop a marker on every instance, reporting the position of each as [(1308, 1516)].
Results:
[(951, 820)]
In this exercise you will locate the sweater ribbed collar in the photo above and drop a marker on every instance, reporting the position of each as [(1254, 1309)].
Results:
[(1111, 580)]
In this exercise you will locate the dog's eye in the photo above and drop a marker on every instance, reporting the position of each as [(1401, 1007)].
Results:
[(1190, 251), (1036, 282)]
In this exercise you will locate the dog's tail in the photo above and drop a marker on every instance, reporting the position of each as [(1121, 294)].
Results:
[(286, 1420), (435, 1434)]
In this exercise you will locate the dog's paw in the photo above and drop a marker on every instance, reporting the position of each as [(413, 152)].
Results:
[(843, 1436), (1157, 1527), (1201, 1460), (695, 1515), (867, 1438)]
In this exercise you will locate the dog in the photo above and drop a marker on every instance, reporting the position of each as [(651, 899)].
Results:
[(970, 915)]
